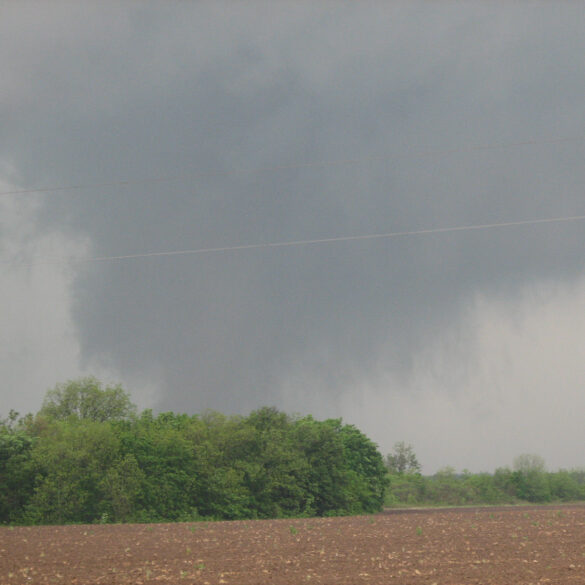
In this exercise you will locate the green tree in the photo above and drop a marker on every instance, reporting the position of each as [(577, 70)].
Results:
[(564, 486), (445, 487), (325, 485), (276, 473), (224, 451), (504, 482), (367, 472), (482, 489), (122, 489), (529, 463), (70, 461), (157, 477), (402, 459), (87, 399), (16, 475), (530, 478), (407, 489)]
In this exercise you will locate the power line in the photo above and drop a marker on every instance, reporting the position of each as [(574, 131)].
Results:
[(313, 164), (293, 243)]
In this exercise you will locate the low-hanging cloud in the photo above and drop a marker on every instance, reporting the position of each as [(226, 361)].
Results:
[(192, 93), (503, 380)]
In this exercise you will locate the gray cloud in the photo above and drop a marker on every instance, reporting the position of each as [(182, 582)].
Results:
[(191, 92)]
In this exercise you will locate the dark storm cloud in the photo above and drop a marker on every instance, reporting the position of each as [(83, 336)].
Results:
[(191, 92)]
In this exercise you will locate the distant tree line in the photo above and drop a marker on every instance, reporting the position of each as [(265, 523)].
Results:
[(88, 456), (527, 481)]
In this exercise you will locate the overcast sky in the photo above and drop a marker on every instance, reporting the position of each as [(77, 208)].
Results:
[(189, 126)]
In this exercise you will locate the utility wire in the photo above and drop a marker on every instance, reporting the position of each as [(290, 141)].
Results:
[(294, 243), (314, 164)]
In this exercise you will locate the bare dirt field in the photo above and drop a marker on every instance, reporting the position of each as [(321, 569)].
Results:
[(502, 546)]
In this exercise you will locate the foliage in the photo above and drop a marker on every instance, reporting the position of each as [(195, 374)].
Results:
[(529, 463), (70, 462), (530, 478), (528, 482), (16, 478), (86, 399), (402, 460), (87, 457), (366, 469)]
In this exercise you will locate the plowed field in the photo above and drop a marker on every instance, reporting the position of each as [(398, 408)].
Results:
[(446, 547)]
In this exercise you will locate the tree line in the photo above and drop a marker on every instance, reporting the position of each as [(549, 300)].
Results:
[(88, 456), (526, 481)]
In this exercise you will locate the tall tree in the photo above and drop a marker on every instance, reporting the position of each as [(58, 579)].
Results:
[(528, 462), (86, 398), (531, 479), (402, 459)]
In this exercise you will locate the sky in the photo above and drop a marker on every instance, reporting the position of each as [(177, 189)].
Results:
[(133, 129)]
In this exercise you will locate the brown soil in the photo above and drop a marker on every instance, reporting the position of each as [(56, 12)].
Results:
[(445, 547)]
